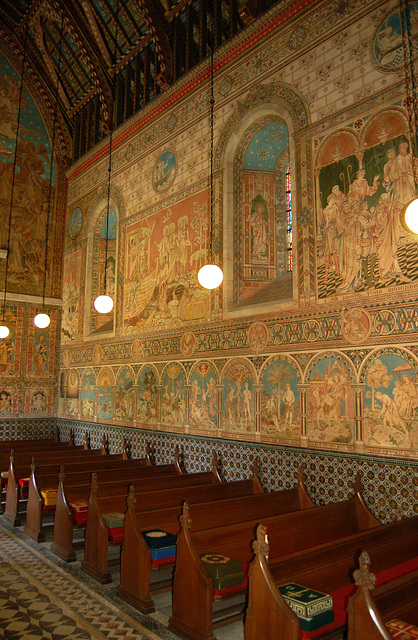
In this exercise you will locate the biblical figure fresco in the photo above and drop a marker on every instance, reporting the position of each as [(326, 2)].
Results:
[(280, 406), (32, 196), (361, 242), (203, 397), (161, 266), (105, 383), (71, 296), (238, 398), (88, 394), (330, 401), (391, 402), (173, 396), (147, 396)]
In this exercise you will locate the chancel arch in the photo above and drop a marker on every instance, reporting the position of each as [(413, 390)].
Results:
[(259, 152)]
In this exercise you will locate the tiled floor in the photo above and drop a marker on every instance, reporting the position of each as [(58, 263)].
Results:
[(44, 598)]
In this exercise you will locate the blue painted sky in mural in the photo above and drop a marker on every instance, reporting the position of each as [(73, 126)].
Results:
[(31, 127), (111, 231), (266, 147)]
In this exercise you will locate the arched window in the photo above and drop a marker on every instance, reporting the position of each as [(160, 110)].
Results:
[(262, 214), (103, 260)]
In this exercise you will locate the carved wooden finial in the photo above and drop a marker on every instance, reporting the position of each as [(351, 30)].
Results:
[(301, 473), (256, 467), (57, 434), (71, 438), (261, 543), (358, 485), (104, 445), (61, 474), (185, 518), (147, 449), (12, 455), (363, 576), (87, 440), (33, 464), (215, 461), (176, 454), (131, 500), (94, 483)]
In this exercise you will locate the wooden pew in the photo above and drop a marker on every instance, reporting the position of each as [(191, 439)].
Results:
[(327, 567), (135, 580), (32, 447), (193, 613), (48, 461), (370, 608), (74, 487), (97, 542), (113, 468)]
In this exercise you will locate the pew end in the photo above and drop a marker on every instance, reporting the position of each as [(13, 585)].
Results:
[(268, 615)]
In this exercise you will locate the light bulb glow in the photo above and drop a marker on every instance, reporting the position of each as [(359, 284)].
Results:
[(4, 331), (103, 304), (411, 216), (41, 320), (210, 276)]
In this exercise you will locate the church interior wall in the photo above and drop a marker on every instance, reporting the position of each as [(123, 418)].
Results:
[(318, 362)]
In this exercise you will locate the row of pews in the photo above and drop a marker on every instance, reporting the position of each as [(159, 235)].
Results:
[(227, 548)]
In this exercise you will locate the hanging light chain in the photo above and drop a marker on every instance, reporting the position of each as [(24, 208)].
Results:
[(212, 199), (51, 169), (19, 112), (109, 169), (410, 84)]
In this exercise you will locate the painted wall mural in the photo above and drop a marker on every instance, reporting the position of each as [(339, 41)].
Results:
[(260, 230), (363, 184), (32, 199), (162, 257)]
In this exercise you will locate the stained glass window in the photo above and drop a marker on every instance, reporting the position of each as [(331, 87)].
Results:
[(289, 219)]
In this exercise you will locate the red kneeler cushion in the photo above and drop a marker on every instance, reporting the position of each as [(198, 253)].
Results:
[(79, 509)]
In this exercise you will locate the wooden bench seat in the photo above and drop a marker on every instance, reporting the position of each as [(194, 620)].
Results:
[(42, 492), (19, 472), (136, 558), (97, 541), (327, 567), (74, 490), (32, 447), (372, 611), (193, 615)]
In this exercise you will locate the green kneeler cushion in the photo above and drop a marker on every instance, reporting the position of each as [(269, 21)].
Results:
[(226, 573), (114, 524)]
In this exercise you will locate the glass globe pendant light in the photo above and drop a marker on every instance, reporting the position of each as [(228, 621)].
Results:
[(210, 276)]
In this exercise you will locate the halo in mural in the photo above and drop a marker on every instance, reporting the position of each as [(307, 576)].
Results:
[(387, 50), (75, 223), (356, 325), (164, 171)]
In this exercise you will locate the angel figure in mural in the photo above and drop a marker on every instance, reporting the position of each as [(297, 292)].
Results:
[(405, 396), (260, 232), (210, 396), (231, 402)]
